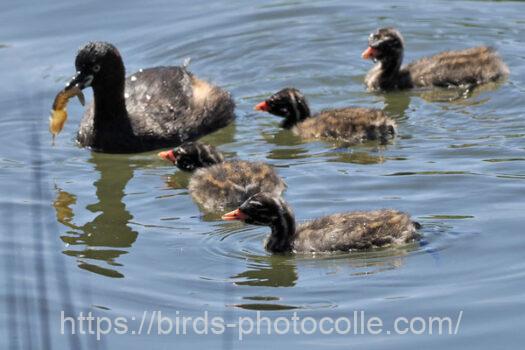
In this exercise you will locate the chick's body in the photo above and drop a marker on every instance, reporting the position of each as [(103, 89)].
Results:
[(337, 232), (355, 231), (230, 183), (217, 184), (349, 124)]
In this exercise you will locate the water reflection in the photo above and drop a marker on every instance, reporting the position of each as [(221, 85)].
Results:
[(460, 96), (290, 144), (281, 271), (355, 157), (103, 238), (396, 104), (359, 263), (269, 271), (178, 180), (282, 137)]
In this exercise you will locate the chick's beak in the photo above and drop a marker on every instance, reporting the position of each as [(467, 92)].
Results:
[(168, 155), (263, 106), (237, 214), (369, 53)]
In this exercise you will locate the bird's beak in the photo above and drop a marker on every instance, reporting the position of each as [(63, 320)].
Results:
[(168, 155), (263, 106), (81, 81), (237, 214), (76, 84), (369, 53)]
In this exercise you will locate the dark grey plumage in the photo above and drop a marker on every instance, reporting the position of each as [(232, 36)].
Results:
[(153, 108), (464, 68), (338, 232)]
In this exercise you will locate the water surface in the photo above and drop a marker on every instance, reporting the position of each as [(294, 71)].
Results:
[(118, 235)]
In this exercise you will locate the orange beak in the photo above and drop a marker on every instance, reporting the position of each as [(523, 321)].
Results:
[(237, 214), (369, 53), (168, 155), (263, 106)]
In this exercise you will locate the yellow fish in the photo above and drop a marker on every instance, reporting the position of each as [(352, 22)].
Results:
[(59, 113)]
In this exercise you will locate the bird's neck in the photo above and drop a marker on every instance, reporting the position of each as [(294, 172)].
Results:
[(110, 103), (390, 68), (290, 122), (283, 233), (112, 129), (298, 113)]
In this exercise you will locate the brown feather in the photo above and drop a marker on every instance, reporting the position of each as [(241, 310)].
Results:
[(229, 184), (465, 68), (347, 124), (354, 231)]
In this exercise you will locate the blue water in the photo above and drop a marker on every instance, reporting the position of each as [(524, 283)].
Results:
[(118, 235)]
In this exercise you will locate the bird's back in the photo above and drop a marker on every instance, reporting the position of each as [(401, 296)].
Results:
[(355, 230), (469, 67), (230, 183), (347, 124)]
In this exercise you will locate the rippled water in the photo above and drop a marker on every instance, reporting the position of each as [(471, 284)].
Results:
[(119, 235)]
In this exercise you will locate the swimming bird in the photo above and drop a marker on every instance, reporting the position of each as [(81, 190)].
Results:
[(217, 184), (153, 108), (338, 232), (465, 68), (349, 124)]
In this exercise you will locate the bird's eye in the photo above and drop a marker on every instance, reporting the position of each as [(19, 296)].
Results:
[(96, 68)]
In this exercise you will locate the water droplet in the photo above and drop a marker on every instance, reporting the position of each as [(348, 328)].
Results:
[(148, 97), (126, 95), (133, 78)]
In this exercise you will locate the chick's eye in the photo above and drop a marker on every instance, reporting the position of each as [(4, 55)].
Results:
[(96, 68)]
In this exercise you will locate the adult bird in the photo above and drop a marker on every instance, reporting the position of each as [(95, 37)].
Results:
[(153, 108)]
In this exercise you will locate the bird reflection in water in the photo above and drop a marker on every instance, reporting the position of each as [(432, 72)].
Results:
[(281, 271), (267, 271), (98, 244)]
